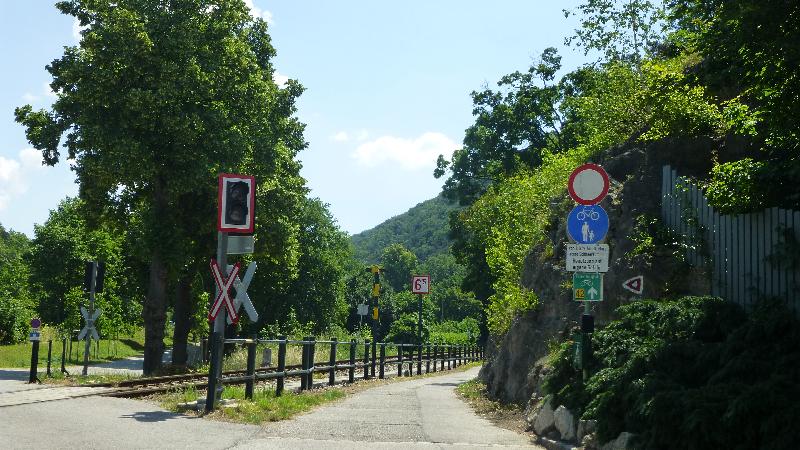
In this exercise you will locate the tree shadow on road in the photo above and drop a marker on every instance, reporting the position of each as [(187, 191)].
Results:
[(153, 416)]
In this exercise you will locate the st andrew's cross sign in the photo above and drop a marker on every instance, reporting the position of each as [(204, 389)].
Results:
[(224, 286)]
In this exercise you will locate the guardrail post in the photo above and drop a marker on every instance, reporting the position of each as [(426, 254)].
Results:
[(311, 355), (428, 358), (435, 359), (63, 355), (419, 359), (383, 360), (332, 363), (304, 364), (281, 366), (366, 359), (203, 350), (374, 355), (251, 369), (449, 356), (49, 354), (399, 360), (352, 371)]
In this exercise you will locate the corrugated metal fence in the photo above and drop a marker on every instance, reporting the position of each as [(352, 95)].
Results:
[(750, 256)]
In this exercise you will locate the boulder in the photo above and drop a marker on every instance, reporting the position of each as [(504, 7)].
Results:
[(565, 423), (586, 427), (622, 442), (543, 417)]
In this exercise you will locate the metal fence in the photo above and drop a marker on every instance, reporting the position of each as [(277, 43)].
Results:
[(749, 256)]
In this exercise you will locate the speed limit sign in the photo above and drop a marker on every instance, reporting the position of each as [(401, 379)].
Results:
[(421, 284)]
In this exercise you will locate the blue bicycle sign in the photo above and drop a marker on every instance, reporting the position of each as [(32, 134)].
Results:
[(587, 224)]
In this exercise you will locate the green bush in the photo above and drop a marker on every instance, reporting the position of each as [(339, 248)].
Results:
[(15, 318), (690, 373)]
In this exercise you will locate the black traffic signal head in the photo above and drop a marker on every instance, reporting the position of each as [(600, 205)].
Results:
[(236, 202)]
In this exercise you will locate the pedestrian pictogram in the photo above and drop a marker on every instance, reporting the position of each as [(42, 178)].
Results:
[(588, 184), (587, 224), (635, 285), (224, 285), (421, 284), (587, 287)]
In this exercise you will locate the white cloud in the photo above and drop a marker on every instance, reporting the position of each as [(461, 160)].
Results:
[(46, 94), (255, 11), (362, 135), (340, 137), (29, 98), (410, 154), (15, 174), (279, 79)]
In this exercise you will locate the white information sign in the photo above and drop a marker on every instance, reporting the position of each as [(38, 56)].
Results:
[(421, 284), (362, 309), (587, 257)]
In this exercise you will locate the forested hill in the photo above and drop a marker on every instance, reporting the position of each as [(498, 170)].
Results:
[(422, 229)]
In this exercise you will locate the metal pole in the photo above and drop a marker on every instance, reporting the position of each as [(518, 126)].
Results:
[(366, 359), (304, 364), (63, 355), (49, 355), (428, 359), (281, 365), (89, 324), (218, 334), (419, 334), (383, 360), (33, 378), (251, 370)]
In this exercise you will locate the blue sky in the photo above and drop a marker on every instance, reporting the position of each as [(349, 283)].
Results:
[(388, 87)]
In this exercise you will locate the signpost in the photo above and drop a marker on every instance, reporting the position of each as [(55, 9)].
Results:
[(235, 214), (34, 337), (94, 281), (420, 285), (635, 285), (587, 257), (587, 224)]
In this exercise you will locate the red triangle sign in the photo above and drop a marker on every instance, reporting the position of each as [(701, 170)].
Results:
[(635, 285)]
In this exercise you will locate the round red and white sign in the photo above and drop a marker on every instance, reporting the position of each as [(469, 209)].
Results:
[(588, 184)]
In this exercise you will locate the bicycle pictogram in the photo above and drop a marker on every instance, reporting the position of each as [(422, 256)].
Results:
[(591, 213)]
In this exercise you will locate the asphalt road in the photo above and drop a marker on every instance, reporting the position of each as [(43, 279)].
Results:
[(419, 413)]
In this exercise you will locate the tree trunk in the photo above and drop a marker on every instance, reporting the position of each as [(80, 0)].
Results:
[(155, 314), (183, 319)]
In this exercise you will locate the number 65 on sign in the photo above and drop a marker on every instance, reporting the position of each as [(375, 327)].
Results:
[(421, 284)]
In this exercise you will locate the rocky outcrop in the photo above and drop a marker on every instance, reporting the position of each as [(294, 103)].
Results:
[(622, 442), (543, 418), (515, 363), (565, 423)]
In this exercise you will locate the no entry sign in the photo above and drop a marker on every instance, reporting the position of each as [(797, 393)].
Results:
[(588, 184)]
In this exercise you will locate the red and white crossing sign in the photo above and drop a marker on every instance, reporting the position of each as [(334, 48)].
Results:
[(421, 284), (635, 285), (588, 184), (224, 285)]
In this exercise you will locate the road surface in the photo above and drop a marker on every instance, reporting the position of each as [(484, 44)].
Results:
[(420, 413)]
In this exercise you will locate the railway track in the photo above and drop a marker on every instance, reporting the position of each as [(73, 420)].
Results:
[(158, 385)]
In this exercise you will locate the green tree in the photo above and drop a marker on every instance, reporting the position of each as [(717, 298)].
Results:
[(621, 29), (155, 101), (512, 128), (399, 264), (16, 306)]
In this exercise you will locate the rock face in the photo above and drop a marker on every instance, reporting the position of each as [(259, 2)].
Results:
[(565, 424), (585, 428), (544, 417), (622, 442), (515, 367)]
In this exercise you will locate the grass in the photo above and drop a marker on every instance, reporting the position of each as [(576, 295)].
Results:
[(59, 378), (474, 392)]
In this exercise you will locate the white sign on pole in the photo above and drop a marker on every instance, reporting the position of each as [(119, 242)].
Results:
[(242, 298), (587, 257), (421, 284), (362, 309)]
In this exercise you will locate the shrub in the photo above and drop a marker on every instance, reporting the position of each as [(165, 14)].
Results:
[(690, 373)]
